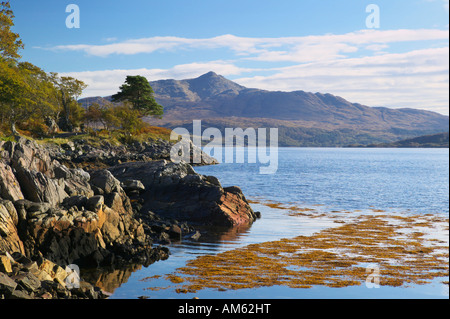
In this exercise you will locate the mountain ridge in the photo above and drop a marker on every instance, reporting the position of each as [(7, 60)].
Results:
[(219, 101)]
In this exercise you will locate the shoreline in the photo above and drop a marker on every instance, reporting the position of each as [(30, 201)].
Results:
[(64, 215), (163, 284)]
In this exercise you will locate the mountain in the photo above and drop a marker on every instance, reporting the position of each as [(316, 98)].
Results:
[(440, 140), (303, 118)]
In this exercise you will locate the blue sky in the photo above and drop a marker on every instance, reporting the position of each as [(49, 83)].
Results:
[(311, 45)]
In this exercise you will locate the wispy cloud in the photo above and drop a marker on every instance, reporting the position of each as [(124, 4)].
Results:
[(417, 79), (360, 66), (295, 49)]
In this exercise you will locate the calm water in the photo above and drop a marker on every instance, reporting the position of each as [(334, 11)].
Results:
[(412, 181), (392, 179)]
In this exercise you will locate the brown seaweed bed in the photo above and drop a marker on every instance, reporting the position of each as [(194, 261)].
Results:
[(405, 249)]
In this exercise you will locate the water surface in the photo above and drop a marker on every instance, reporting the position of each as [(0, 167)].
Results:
[(406, 181)]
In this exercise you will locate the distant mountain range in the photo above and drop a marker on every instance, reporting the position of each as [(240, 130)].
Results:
[(303, 119)]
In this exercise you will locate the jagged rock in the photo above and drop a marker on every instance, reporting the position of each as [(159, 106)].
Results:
[(76, 181), (38, 187), (65, 215), (42, 279), (78, 201), (5, 264), (104, 180), (177, 191), (7, 285), (9, 235), (27, 280), (9, 186), (95, 203)]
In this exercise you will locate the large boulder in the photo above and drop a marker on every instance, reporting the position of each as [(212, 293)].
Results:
[(75, 181), (177, 191), (38, 187)]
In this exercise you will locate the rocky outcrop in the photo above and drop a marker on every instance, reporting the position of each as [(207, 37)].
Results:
[(39, 278), (67, 215), (177, 191), (80, 153), (52, 213)]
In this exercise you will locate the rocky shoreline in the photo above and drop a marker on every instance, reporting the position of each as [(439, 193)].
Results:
[(99, 207)]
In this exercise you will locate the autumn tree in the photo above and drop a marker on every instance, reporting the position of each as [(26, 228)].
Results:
[(68, 91), (10, 43), (15, 93)]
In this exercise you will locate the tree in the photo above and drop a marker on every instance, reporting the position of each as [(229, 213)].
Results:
[(27, 93), (24, 93), (15, 102), (10, 44), (127, 117), (139, 93), (68, 91)]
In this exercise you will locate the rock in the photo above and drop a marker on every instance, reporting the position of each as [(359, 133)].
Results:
[(213, 180), (76, 181), (28, 281), (5, 264), (78, 200), (110, 232), (46, 281), (193, 236), (177, 191), (20, 294), (21, 259), (95, 203), (104, 180), (69, 146), (52, 126), (33, 209), (27, 155), (7, 285), (9, 186), (175, 232), (9, 206), (131, 185), (49, 209), (37, 187), (9, 236)]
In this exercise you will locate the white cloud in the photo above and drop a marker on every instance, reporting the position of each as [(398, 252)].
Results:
[(295, 49), (325, 63), (417, 79), (107, 82)]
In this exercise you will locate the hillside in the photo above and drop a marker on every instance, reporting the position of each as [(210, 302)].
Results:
[(303, 118), (440, 140)]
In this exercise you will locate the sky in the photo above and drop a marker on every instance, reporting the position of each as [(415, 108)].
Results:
[(377, 52)]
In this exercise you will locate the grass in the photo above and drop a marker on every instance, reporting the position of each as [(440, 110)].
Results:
[(98, 138)]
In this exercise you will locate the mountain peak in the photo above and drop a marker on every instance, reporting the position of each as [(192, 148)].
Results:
[(210, 74), (211, 84)]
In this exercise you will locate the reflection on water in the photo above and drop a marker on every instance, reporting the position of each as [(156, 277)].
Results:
[(109, 279), (152, 281), (211, 241)]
